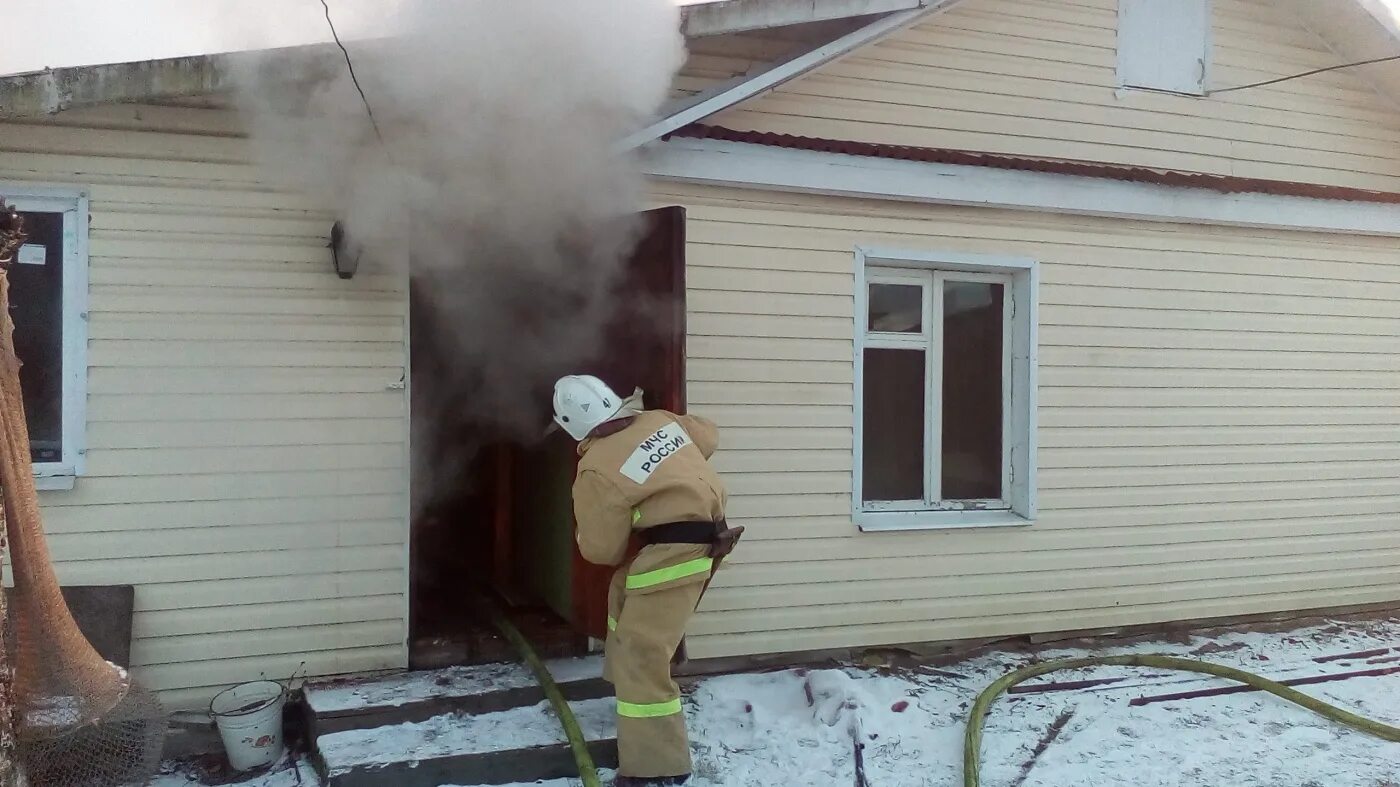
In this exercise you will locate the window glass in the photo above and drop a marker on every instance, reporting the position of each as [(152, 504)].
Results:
[(972, 398), (894, 425), (896, 308), (36, 306)]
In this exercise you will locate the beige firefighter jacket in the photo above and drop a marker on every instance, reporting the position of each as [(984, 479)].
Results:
[(653, 472)]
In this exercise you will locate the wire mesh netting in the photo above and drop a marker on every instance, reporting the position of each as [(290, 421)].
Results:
[(83, 722)]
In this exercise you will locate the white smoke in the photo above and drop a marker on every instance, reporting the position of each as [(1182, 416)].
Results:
[(493, 173)]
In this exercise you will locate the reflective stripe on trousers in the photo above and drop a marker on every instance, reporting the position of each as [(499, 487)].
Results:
[(653, 710), (690, 568)]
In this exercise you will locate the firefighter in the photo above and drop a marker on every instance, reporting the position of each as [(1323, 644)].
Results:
[(645, 473)]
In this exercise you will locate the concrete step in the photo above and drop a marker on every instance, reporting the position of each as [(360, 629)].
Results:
[(337, 706), (521, 745), (480, 725)]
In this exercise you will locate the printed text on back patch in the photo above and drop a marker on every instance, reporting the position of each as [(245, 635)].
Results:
[(657, 448)]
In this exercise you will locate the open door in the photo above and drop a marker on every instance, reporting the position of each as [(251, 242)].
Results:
[(645, 349)]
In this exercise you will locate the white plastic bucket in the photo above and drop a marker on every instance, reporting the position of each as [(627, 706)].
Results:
[(249, 717)]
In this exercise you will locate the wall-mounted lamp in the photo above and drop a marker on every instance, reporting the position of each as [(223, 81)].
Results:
[(344, 254)]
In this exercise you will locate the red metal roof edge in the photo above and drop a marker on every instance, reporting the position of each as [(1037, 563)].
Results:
[(1221, 183)]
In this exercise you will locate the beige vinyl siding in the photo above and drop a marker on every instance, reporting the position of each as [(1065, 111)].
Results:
[(1037, 78), (246, 421), (1216, 425)]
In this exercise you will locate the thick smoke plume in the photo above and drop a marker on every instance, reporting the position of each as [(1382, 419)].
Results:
[(493, 174)]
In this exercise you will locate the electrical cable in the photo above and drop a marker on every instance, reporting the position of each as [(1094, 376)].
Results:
[(1313, 72), (350, 64)]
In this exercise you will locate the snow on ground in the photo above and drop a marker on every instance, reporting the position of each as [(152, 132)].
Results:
[(443, 736), (284, 774), (330, 697), (796, 727)]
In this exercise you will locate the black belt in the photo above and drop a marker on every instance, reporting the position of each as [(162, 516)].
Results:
[(683, 533), (719, 536)]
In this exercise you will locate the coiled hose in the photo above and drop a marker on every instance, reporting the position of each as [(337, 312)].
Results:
[(587, 771), (977, 720)]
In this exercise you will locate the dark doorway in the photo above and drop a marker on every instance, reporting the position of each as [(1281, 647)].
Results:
[(508, 533)]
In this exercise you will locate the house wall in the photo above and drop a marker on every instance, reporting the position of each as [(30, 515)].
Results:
[(1217, 411), (247, 424), (1037, 78)]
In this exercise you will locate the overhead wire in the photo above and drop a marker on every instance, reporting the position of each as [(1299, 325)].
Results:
[(350, 65), (1314, 72)]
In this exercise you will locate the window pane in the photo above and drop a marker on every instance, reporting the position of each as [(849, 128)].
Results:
[(896, 308), (894, 425), (972, 390), (36, 306)]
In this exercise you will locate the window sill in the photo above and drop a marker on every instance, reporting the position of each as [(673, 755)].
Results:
[(888, 521), (54, 478)]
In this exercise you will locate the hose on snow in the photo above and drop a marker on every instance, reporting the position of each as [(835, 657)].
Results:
[(578, 744), (972, 746)]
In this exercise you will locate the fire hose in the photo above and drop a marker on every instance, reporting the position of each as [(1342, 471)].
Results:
[(578, 744), (972, 745)]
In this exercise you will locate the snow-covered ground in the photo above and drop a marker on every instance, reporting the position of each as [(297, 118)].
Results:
[(797, 727)]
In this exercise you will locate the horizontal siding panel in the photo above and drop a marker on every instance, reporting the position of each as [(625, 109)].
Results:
[(256, 618), (1010, 565), (1188, 398), (1074, 531), (198, 568), (177, 274), (757, 329), (227, 354), (269, 642), (907, 612), (289, 329), (730, 461), (131, 408), (799, 439), (308, 586), (257, 459), (784, 304), (229, 540), (148, 300), (1107, 580), (780, 415), (199, 434), (191, 684), (941, 628), (723, 257), (1321, 456), (706, 394), (1100, 436), (229, 486), (249, 380), (287, 511), (772, 370)]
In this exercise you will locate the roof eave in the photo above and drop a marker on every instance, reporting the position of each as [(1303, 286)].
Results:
[(738, 16)]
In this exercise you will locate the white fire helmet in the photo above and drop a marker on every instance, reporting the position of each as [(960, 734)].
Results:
[(582, 402)]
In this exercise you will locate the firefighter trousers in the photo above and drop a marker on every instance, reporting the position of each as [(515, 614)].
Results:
[(645, 630)]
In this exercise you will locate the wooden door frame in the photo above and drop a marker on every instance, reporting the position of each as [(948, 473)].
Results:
[(590, 583)]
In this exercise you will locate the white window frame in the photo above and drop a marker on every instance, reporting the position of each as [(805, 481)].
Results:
[(929, 270), (73, 204), (1136, 56)]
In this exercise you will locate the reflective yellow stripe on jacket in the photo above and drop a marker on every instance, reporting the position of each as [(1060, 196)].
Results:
[(689, 568), (651, 710)]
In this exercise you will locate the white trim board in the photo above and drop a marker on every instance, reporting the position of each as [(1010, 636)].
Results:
[(717, 99), (743, 165), (1021, 408), (73, 204)]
